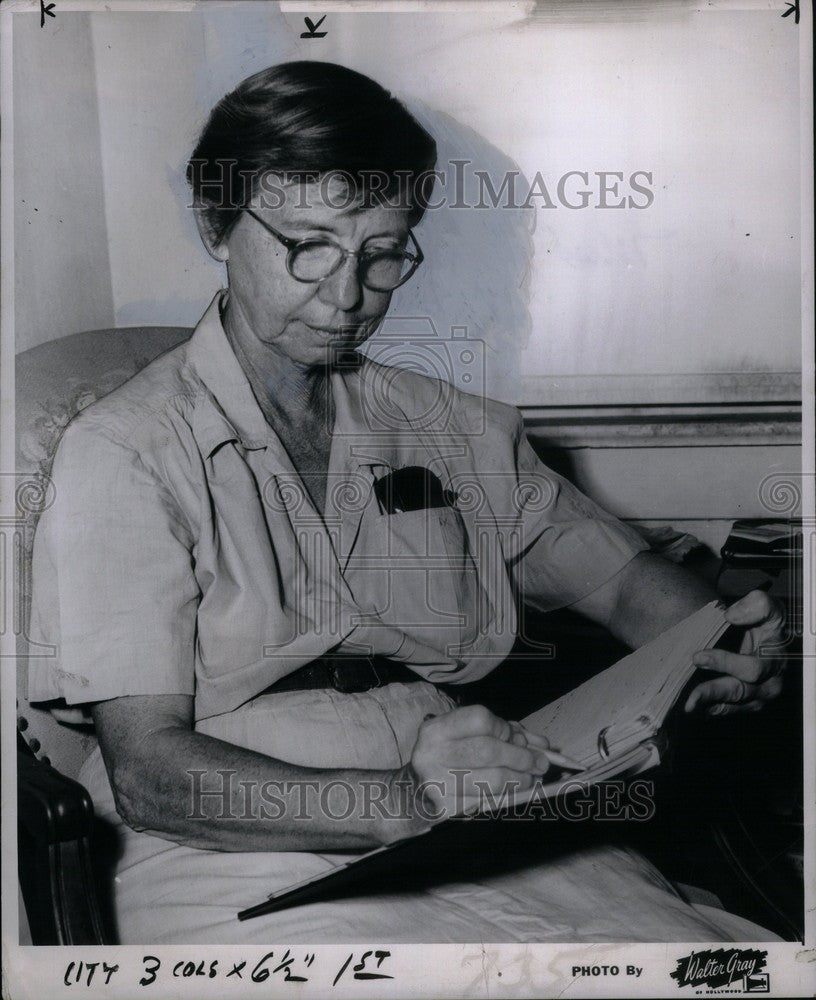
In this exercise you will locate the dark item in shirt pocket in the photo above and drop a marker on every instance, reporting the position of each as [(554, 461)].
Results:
[(411, 488)]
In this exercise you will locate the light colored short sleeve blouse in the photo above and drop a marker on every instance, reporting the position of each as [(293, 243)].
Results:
[(182, 554)]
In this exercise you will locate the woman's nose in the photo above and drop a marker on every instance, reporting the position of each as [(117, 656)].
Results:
[(343, 289)]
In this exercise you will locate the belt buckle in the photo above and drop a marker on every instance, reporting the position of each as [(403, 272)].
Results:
[(354, 677)]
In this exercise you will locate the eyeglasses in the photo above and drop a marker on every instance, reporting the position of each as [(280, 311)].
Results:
[(381, 269)]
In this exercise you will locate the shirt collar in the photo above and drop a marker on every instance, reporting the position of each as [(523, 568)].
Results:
[(361, 436), (233, 413), (374, 403)]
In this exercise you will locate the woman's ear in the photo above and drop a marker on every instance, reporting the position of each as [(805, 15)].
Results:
[(218, 251)]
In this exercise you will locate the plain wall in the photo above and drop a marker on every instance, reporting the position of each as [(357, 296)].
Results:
[(704, 280), (63, 274)]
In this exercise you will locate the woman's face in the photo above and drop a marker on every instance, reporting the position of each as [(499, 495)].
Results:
[(307, 323)]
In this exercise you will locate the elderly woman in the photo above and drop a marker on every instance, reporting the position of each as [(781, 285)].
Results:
[(264, 584)]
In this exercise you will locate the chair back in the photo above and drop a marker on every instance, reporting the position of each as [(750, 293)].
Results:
[(53, 382)]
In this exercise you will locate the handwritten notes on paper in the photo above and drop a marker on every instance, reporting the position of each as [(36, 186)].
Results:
[(285, 965)]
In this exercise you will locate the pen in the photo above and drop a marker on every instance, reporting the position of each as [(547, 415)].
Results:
[(565, 762)]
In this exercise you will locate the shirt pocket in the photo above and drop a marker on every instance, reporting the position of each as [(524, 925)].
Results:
[(414, 571)]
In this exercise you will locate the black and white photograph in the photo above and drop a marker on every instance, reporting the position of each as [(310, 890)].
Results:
[(407, 481)]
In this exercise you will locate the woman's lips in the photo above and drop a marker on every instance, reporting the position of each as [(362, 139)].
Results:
[(347, 333)]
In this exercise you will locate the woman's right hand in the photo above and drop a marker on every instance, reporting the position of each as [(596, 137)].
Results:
[(467, 755)]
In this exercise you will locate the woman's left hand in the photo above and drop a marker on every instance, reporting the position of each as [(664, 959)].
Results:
[(751, 677)]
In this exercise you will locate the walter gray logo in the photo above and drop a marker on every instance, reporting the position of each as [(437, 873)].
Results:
[(724, 968)]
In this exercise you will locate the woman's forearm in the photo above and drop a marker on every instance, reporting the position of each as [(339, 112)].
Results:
[(197, 790), (653, 595), (648, 596)]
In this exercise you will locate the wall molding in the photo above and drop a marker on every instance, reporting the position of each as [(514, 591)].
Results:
[(676, 389), (626, 426)]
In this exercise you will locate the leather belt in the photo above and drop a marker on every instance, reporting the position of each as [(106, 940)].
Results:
[(347, 674)]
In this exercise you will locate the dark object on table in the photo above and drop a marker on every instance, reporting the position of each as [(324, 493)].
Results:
[(762, 555), (763, 543)]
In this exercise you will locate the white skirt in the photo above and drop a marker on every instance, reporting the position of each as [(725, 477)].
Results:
[(166, 893)]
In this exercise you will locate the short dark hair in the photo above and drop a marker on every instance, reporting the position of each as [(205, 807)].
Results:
[(309, 119)]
